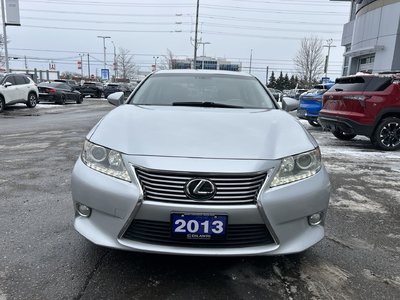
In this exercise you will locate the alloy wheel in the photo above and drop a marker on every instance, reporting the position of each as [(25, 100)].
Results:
[(390, 134)]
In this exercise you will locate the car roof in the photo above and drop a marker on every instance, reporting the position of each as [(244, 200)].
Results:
[(213, 72)]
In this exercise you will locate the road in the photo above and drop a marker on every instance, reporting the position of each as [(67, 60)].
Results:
[(42, 257)]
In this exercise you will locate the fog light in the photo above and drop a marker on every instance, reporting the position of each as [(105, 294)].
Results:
[(83, 210), (315, 219)]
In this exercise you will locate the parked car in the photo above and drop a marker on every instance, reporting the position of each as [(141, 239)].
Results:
[(116, 87), (17, 88), (278, 95), (200, 162), (71, 83), (366, 105), (311, 103), (92, 89), (58, 92)]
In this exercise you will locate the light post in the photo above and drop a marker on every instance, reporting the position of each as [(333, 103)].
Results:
[(104, 47), (81, 55), (204, 43), (329, 46), (155, 62), (251, 58), (195, 35), (115, 62)]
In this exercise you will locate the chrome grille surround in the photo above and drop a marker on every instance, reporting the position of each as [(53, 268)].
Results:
[(169, 186)]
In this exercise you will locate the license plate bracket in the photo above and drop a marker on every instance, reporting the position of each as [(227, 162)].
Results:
[(198, 226)]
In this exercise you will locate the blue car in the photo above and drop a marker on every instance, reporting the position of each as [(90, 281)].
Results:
[(311, 103)]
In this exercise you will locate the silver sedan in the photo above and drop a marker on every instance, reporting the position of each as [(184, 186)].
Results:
[(200, 163)]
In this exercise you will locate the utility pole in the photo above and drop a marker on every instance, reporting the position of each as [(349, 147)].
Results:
[(195, 35), (104, 48), (329, 46), (251, 58), (26, 63), (266, 76), (5, 36), (88, 65)]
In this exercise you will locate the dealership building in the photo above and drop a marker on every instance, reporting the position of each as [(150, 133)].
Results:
[(372, 37), (206, 63)]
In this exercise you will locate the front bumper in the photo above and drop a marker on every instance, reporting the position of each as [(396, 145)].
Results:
[(283, 210)]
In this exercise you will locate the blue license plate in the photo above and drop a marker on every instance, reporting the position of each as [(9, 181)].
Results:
[(198, 226)]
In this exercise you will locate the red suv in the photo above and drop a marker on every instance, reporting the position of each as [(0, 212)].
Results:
[(364, 105)]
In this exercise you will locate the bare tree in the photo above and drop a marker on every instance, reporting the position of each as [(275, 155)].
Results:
[(167, 61), (309, 60), (126, 66)]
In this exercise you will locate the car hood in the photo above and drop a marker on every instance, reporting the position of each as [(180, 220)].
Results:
[(202, 132)]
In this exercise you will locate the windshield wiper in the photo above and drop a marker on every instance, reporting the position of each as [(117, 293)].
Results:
[(206, 104)]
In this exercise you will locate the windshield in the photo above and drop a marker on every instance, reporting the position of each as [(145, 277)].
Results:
[(217, 89)]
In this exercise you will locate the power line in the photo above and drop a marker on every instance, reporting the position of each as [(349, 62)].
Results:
[(183, 23)]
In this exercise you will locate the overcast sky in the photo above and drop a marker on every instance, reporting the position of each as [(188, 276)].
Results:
[(59, 31)]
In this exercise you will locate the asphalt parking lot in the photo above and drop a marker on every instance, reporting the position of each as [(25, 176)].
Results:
[(42, 257)]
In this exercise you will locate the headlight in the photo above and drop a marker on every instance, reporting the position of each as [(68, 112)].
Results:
[(297, 167), (104, 160)]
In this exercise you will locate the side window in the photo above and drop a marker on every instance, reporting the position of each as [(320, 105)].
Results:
[(10, 79), (27, 81), (19, 80)]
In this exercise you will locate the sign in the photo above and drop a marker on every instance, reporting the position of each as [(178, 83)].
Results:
[(325, 80), (12, 12), (105, 74), (92, 76), (79, 64)]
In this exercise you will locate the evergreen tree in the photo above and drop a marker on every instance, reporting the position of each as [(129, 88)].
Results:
[(286, 82), (280, 82), (292, 82), (272, 81)]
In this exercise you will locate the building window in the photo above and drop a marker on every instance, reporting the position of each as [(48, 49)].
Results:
[(366, 63)]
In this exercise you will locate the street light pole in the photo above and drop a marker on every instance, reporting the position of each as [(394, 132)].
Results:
[(115, 62), (81, 55), (195, 35), (251, 58), (104, 47), (329, 46), (204, 43)]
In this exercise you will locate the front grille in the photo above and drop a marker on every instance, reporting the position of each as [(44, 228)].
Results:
[(154, 232), (170, 186)]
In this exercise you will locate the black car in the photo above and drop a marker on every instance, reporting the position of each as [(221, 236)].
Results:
[(116, 87), (92, 89), (58, 92), (71, 83)]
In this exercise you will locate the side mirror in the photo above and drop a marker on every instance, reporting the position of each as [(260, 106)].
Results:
[(7, 84), (116, 99), (289, 104)]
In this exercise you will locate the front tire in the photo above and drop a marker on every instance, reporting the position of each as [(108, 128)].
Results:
[(387, 135), (80, 100), (343, 136), (62, 100), (32, 100)]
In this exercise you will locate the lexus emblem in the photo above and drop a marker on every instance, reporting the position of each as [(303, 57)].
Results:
[(200, 189)]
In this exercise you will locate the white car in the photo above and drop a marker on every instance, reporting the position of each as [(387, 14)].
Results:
[(17, 88)]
